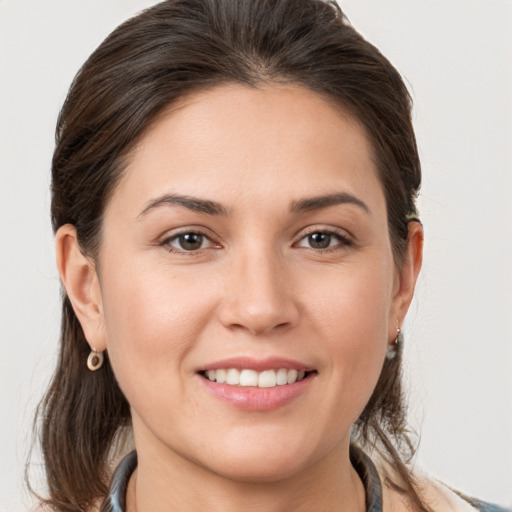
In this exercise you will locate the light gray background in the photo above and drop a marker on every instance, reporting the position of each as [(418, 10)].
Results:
[(457, 58)]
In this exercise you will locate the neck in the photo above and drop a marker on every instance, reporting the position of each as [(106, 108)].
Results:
[(165, 481)]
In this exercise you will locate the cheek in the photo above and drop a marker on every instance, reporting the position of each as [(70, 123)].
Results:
[(151, 324), (355, 300), (350, 313)]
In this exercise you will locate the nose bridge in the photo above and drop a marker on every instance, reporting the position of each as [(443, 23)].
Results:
[(259, 298)]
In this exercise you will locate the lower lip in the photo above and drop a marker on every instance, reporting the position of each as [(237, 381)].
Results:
[(258, 399)]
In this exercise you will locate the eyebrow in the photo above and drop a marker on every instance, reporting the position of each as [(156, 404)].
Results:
[(213, 208), (316, 203), (192, 203)]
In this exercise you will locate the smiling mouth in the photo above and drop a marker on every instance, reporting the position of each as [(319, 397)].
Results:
[(253, 378)]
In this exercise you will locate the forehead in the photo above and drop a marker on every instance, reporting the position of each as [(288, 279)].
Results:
[(266, 138)]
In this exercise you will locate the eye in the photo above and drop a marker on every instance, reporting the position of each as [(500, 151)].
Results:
[(323, 240), (189, 241)]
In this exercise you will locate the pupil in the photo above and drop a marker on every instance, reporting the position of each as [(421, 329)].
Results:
[(191, 241), (319, 240)]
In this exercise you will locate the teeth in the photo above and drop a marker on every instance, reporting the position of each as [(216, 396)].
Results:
[(218, 376), (265, 379), (282, 377), (291, 376), (233, 377), (248, 378)]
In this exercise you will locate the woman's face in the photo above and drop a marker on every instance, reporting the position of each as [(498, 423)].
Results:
[(248, 241)]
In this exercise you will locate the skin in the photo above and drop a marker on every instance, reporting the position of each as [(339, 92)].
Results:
[(255, 288)]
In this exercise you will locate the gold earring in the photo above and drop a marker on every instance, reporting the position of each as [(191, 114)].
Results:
[(95, 360)]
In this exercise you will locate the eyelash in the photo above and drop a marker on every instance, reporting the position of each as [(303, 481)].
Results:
[(175, 237), (343, 241)]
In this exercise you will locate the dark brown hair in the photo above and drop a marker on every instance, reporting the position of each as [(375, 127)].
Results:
[(145, 65)]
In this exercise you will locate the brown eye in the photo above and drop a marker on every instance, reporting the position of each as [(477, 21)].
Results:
[(319, 240), (190, 241)]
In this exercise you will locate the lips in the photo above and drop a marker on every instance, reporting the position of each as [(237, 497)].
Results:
[(257, 384)]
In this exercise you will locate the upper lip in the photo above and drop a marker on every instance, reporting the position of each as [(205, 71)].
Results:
[(259, 365)]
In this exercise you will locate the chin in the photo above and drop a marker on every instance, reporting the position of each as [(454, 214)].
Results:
[(262, 469), (257, 462)]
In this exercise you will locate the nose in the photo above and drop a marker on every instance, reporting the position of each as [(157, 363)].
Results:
[(259, 296)]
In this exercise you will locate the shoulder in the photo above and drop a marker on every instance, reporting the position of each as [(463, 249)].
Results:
[(440, 497), (436, 495), (433, 494), (484, 506)]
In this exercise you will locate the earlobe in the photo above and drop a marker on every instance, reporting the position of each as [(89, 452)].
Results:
[(80, 280), (408, 274)]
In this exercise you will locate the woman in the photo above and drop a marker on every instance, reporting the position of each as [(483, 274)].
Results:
[(234, 193)]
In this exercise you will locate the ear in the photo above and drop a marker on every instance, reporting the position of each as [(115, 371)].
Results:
[(80, 280), (407, 277)]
